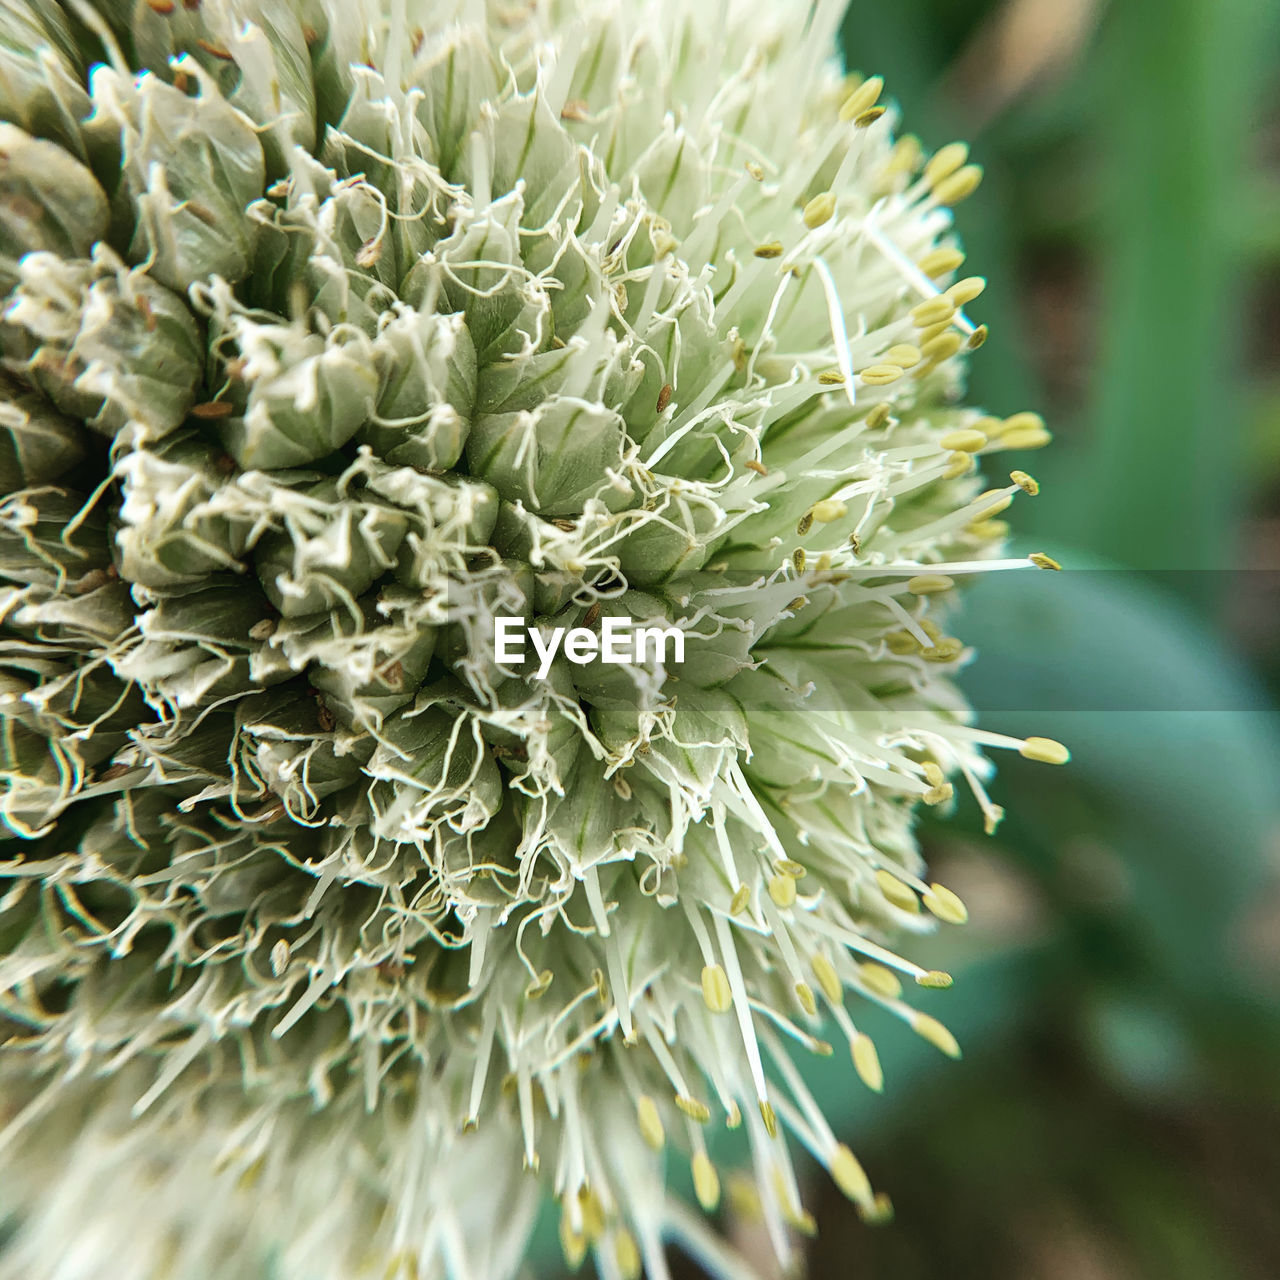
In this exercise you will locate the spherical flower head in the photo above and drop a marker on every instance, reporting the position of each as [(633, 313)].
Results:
[(334, 938)]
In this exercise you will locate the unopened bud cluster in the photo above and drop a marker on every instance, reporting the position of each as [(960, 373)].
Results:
[(331, 332)]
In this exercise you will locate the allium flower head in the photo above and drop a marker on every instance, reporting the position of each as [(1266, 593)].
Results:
[(334, 331)]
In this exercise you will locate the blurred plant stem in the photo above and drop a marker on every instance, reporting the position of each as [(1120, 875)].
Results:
[(1180, 82)]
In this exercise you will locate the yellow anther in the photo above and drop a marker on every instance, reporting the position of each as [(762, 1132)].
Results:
[(896, 892), (933, 773), (789, 867), (902, 643), (650, 1122), (849, 1175), (870, 116), (1042, 561), (697, 1111), (933, 311), (592, 1213), (992, 502), (819, 210), (828, 978), (804, 993), (831, 378), (932, 331), (827, 510), (905, 156), (782, 889), (798, 559), (627, 1255), (804, 524), (1025, 438), (978, 337), (935, 1033), (945, 161), (959, 464), (941, 261), (883, 982), (989, 530), (863, 98), (866, 1062), (935, 980), (738, 903), (904, 355), (945, 649), (744, 1197), (946, 905), (939, 794), (706, 1182), (1044, 750), (966, 441), (929, 584), (878, 416), (959, 186), (770, 1118), (1019, 421), (880, 375), (573, 1244), (770, 249), (880, 1212), (538, 988), (992, 818), (1028, 484), (943, 347), (964, 291), (715, 989), (734, 1117), (755, 170)]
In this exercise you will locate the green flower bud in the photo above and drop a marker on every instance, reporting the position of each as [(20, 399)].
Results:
[(181, 517), (41, 74), (48, 201), (188, 167), (106, 344), (333, 547), (37, 444), (300, 396)]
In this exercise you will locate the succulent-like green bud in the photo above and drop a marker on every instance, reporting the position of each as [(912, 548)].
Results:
[(344, 342)]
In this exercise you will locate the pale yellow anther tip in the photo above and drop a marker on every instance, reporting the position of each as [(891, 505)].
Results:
[(965, 441), (827, 510), (899, 894), (959, 186), (934, 980), (650, 1123), (770, 249), (819, 210), (938, 310), (770, 1118), (804, 993), (1042, 561), (880, 375), (866, 1062), (782, 889), (928, 584), (966, 290), (862, 99), (945, 904), (706, 1182), (848, 1174), (716, 993), (1045, 751), (935, 1033), (738, 903), (1028, 484)]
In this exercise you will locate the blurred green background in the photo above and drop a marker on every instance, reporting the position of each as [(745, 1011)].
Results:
[(1117, 1112)]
